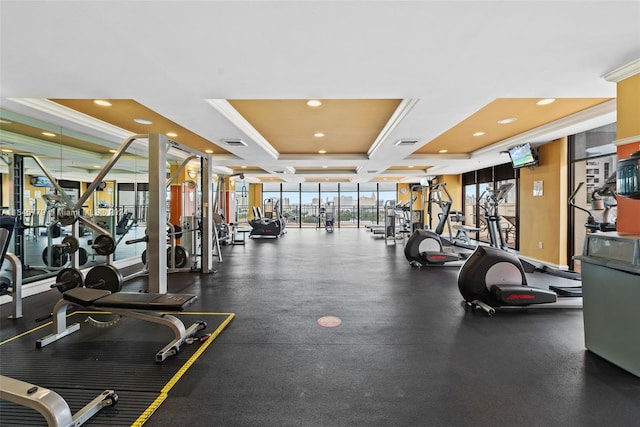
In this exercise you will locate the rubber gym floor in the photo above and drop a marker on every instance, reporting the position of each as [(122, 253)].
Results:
[(406, 353)]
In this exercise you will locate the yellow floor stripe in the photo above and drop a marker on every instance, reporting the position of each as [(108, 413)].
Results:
[(183, 369), (150, 410), (25, 333), (164, 392)]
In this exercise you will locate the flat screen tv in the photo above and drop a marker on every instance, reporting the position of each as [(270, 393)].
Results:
[(628, 179), (523, 156), (39, 181)]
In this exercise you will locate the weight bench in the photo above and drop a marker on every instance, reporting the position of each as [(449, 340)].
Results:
[(141, 306)]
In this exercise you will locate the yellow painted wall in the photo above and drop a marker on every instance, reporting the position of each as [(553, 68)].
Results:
[(254, 198), (454, 187), (628, 107), (543, 218), (403, 193), (628, 126)]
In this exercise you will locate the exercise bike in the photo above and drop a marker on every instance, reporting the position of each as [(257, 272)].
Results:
[(426, 247), (493, 278)]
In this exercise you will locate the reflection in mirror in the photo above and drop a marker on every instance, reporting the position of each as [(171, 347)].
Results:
[(52, 167)]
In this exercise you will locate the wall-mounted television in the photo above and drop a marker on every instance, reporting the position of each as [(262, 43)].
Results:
[(628, 179), (523, 156), (39, 181)]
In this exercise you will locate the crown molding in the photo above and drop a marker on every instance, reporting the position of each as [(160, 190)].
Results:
[(541, 132), (66, 113), (223, 107), (628, 140), (439, 156), (624, 72), (403, 109)]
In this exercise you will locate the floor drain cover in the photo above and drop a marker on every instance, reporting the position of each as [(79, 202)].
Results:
[(329, 321)]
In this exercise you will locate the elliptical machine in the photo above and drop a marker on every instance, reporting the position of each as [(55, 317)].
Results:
[(492, 215), (493, 278), (608, 222), (272, 224), (426, 247)]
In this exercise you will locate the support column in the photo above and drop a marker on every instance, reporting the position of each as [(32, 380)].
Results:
[(16, 202), (627, 79), (207, 216), (157, 214)]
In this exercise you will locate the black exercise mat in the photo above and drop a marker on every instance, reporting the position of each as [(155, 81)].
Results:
[(122, 358)]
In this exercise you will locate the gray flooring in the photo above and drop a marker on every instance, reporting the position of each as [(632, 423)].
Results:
[(406, 354)]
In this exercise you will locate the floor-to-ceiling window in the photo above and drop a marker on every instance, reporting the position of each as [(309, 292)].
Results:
[(484, 188), (329, 202), (387, 194), (310, 204), (348, 205), (470, 195), (593, 161), (270, 196), (505, 177), (242, 202), (291, 203), (480, 188), (367, 204), (355, 205)]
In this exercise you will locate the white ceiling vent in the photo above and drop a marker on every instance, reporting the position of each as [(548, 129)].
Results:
[(235, 142), (406, 142)]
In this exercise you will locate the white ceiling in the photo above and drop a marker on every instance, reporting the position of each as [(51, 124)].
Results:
[(447, 58)]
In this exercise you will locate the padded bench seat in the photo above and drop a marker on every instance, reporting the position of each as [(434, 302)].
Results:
[(101, 298)]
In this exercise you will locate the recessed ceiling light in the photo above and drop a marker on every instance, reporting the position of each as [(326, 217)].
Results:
[(322, 151), (410, 166), (172, 134), (478, 133), (143, 121), (318, 134), (97, 167), (6, 150), (102, 102), (507, 120), (208, 151), (113, 151), (443, 151), (314, 103), (243, 167), (325, 167), (5, 122), (546, 101), (49, 134)]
